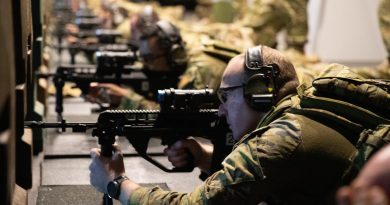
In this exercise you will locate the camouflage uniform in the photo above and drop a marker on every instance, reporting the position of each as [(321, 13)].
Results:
[(203, 70), (268, 17), (241, 7), (384, 22), (203, 8), (289, 159)]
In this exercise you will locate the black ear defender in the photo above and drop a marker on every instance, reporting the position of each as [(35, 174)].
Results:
[(260, 88), (171, 41)]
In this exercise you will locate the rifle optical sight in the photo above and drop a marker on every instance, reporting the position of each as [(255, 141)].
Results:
[(176, 99), (107, 35), (87, 23), (109, 62)]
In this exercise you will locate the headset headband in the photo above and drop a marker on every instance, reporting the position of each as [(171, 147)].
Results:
[(253, 58)]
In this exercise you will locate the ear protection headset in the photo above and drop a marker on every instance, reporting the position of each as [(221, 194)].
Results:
[(260, 88), (170, 39)]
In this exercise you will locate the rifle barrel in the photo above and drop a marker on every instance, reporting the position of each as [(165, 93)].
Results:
[(76, 127)]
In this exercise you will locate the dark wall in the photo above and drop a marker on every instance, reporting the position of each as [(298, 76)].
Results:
[(15, 74), (7, 102)]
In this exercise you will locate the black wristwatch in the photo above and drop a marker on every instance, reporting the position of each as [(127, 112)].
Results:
[(114, 187)]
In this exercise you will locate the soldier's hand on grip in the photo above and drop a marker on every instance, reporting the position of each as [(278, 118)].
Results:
[(184, 152)]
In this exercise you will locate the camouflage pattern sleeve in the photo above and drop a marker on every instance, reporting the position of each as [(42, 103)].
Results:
[(136, 101), (384, 22), (266, 23), (231, 185), (203, 70), (243, 179), (297, 29)]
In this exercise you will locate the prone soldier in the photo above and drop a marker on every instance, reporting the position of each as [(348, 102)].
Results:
[(281, 156)]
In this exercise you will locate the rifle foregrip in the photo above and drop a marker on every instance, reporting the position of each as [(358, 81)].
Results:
[(106, 150)]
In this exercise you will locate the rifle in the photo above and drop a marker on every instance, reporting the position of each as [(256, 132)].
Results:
[(111, 68), (85, 13), (87, 23), (91, 49), (106, 42), (105, 36), (183, 113)]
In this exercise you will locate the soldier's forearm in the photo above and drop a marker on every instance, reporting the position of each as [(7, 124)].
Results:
[(205, 163), (127, 188)]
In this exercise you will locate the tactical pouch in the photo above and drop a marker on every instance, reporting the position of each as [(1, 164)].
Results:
[(369, 142)]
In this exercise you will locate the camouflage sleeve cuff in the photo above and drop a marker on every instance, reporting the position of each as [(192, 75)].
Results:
[(133, 95), (138, 195), (131, 100), (147, 195)]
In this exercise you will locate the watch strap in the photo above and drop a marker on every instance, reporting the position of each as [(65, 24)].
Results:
[(119, 181)]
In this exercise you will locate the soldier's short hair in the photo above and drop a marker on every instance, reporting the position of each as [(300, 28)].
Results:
[(287, 80)]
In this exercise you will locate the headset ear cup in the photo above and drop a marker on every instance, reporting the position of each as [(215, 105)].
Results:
[(171, 41), (258, 92), (178, 55), (163, 41)]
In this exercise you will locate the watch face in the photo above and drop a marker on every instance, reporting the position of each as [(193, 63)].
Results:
[(112, 189)]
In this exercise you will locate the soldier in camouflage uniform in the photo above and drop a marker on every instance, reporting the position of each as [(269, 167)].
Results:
[(280, 157), (193, 71), (268, 17)]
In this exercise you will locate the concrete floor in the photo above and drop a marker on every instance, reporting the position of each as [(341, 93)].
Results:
[(65, 159)]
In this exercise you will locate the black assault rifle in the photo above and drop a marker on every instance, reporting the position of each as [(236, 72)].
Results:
[(91, 49), (107, 41), (87, 26), (183, 113), (112, 67), (104, 36)]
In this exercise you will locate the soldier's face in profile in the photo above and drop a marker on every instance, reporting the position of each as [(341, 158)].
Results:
[(136, 30), (241, 118), (152, 55)]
